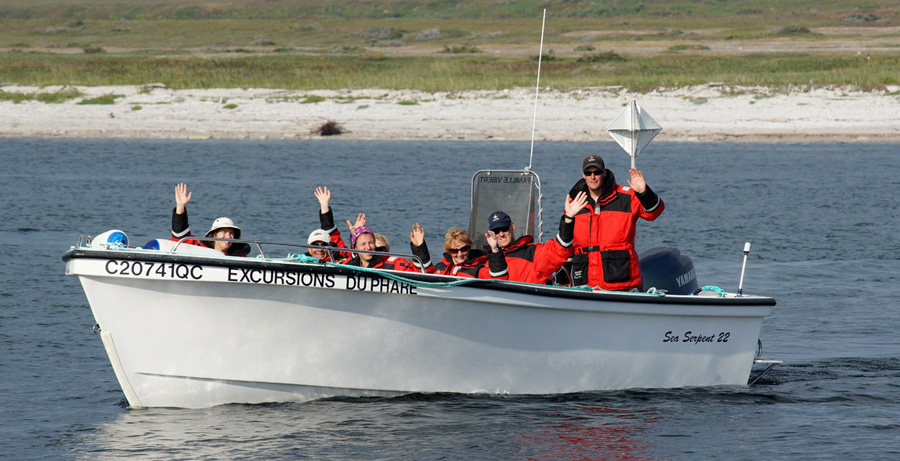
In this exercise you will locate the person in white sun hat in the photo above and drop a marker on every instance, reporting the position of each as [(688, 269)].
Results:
[(222, 228)]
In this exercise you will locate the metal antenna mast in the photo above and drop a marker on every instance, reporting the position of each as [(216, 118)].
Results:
[(536, 88)]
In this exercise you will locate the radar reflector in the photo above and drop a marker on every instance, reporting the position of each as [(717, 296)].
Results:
[(633, 129)]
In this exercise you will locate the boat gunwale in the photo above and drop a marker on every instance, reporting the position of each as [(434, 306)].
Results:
[(497, 285)]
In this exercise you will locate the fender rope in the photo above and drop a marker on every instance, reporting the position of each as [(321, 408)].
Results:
[(718, 290)]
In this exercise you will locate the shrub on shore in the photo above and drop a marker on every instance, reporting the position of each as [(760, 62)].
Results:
[(460, 49), (329, 128), (106, 99), (608, 56)]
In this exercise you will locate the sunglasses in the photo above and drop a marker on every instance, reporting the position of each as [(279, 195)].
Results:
[(319, 244), (593, 172), (501, 229), (464, 249)]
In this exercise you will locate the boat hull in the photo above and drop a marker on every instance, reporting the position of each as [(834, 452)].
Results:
[(208, 331)]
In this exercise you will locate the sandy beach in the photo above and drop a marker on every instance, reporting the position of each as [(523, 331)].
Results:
[(700, 113)]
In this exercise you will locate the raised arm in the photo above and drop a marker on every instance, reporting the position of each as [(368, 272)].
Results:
[(417, 236), (491, 238), (180, 226), (326, 216), (650, 202), (567, 224), (182, 197), (636, 180), (551, 255), (323, 195), (573, 206), (360, 222), (420, 249), (496, 260)]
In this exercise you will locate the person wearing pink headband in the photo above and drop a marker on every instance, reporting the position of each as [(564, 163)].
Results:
[(362, 238), (357, 233)]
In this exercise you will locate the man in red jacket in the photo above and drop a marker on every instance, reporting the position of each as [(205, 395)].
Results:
[(535, 262), (605, 226)]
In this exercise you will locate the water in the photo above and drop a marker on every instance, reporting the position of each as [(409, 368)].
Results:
[(822, 219)]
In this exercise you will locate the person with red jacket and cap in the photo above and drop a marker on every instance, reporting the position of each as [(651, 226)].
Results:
[(604, 254), (321, 247), (327, 236), (222, 228), (535, 262)]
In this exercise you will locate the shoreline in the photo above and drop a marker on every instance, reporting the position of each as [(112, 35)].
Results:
[(703, 113)]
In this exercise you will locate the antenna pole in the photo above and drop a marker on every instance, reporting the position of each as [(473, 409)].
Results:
[(536, 88), (634, 133), (743, 266)]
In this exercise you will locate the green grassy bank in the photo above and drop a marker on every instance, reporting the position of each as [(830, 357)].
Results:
[(448, 46), (442, 74)]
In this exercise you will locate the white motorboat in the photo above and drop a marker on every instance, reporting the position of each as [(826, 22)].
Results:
[(187, 329), (185, 326)]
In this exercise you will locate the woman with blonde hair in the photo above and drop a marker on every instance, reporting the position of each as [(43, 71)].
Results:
[(460, 259)]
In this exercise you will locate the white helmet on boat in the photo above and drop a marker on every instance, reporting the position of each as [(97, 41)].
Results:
[(224, 223)]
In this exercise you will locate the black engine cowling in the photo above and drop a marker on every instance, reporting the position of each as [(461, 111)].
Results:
[(668, 270)]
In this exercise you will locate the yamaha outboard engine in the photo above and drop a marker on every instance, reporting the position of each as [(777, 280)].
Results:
[(668, 270)]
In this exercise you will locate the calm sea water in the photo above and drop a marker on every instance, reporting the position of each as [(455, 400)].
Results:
[(822, 219)]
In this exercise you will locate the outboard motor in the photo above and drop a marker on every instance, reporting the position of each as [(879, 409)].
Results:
[(666, 269)]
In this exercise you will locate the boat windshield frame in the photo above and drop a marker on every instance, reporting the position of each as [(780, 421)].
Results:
[(535, 197)]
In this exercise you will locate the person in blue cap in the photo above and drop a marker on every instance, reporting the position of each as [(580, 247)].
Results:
[(535, 262)]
